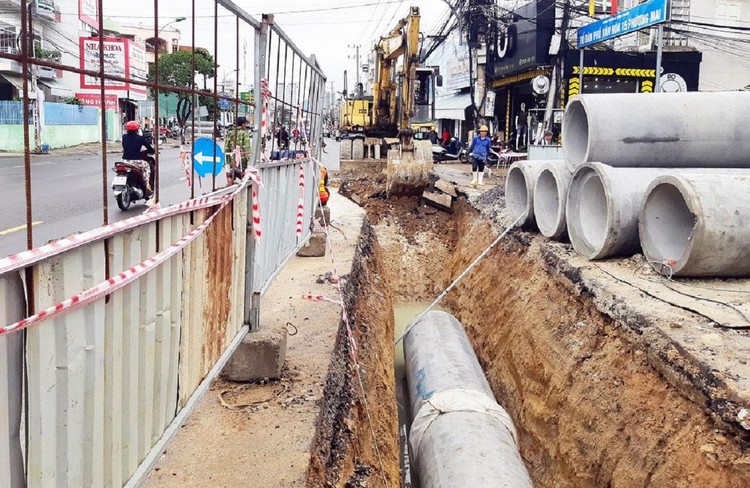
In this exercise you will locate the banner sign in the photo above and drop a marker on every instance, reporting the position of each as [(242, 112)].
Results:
[(639, 17), (95, 100), (122, 58)]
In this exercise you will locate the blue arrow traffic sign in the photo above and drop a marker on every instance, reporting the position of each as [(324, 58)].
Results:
[(203, 155), (223, 102)]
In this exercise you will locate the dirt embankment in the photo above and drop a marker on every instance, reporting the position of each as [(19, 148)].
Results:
[(356, 444), (590, 408), (595, 402)]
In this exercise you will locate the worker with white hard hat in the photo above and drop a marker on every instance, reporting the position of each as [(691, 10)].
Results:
[(479, 150)]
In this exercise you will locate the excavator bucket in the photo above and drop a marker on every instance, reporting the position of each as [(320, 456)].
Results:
[(408, 172)]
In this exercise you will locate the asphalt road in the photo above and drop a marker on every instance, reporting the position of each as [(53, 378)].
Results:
[(67, 195)]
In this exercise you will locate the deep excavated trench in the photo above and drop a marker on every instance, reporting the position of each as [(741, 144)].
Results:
[(598, 398)]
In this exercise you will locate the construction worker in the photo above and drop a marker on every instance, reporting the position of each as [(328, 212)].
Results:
[(323, 190), (238, 136), (479, 150)]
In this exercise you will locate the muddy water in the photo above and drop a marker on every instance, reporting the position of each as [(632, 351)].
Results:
[(403, 313)]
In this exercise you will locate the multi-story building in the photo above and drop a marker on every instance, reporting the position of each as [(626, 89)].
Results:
[(45, 20)]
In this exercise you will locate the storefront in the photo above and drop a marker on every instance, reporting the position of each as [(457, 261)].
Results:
[(627, 72), (521, 55)]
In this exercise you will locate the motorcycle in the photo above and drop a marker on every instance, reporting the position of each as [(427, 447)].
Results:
[(148, 135), (441, 153), (129, 184)]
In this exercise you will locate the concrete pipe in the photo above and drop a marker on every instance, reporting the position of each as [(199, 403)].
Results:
[(603, 206), (460, 436), (699, 223), (668, 130), (550, 196), (519, 190)]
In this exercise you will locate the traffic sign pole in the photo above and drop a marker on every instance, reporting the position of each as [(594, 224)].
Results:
[(657, 75)]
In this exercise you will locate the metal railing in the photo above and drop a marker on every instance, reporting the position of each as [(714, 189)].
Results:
[(109, 337)]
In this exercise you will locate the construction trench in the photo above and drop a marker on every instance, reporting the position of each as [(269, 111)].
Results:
[(611, 377)]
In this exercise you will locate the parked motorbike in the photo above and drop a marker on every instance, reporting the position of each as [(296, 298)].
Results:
[(149, 136), (440, 154), (129, 184)]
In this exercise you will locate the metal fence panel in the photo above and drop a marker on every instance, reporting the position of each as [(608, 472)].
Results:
[(66, 375), (12, 308), (11, 113), (278, 200), (66, 114)]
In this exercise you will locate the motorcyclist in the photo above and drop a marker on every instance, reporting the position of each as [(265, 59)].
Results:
[(132, 145)]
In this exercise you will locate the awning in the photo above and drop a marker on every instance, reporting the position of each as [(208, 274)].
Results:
[(452, 107), (55, 89), (17, 81)]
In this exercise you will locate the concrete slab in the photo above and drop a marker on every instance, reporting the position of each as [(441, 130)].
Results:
[(315, 247), (438, 200), (446, 187), (261, 355)]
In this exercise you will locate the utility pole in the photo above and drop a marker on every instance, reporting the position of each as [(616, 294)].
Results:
[(356, 57)]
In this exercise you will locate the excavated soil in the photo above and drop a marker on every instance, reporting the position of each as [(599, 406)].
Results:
[(602, 380)]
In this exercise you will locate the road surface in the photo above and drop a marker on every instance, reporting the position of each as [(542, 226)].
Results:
[(67, 195)]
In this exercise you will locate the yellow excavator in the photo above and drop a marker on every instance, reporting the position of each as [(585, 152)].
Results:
[(403, 96)]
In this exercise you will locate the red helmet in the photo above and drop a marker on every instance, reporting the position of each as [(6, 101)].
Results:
[(132, 125)]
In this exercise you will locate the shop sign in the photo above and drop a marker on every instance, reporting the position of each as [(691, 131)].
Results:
[(95, 100), (639, 17), (524, 37), (457, 76), (117, 62), (88, 12)]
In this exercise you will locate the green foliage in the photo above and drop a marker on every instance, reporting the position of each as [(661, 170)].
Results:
[(176, 68), (49, 54), (74, 101)]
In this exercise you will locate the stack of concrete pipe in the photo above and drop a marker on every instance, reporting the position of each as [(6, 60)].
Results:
[(460, 436), (668, 173)]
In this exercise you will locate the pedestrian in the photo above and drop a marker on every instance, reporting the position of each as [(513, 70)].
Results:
[(237, 136), (446, 137), (479, 149), (283, 138), (323, 190), (432, 135)]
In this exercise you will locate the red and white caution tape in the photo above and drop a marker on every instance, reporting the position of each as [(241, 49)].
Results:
[(301, 200), (253, 173), (320, 298), (266, 95), (128, 276), (27, 258), (185, 158)]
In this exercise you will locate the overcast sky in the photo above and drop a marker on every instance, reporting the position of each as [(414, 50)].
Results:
[(322, 27)]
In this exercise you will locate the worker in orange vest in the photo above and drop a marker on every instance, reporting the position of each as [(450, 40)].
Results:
[(323, 190)]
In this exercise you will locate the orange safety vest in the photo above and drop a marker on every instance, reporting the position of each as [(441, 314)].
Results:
[(322, 190)]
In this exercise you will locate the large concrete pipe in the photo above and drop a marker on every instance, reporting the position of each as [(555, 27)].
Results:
[(519, 191), (460, 436), (698, 223), (668, 130), (550, 197), (603, 206)]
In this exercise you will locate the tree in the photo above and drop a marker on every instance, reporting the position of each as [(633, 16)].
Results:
[(176, 68)]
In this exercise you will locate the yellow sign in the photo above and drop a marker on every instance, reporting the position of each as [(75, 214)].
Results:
[(639, 73), (509, 80), (593, 70)]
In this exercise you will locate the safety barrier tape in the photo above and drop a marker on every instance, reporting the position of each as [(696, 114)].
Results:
[(301, 199), (26, 258), (320, 298), (128, 276)]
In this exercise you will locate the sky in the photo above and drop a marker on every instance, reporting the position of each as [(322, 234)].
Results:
[(326, 28)]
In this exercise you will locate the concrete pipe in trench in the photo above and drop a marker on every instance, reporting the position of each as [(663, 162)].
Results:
[(668, 130), (519, 190), (699, 223), (460, 436), (550, 196)]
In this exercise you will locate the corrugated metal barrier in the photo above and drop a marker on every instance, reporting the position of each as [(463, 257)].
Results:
[(109, 338)]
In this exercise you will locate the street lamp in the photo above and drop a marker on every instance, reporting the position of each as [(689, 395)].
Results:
[(177, 19)]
